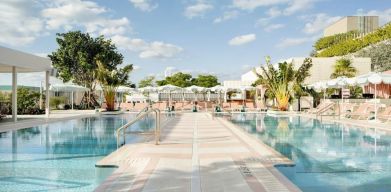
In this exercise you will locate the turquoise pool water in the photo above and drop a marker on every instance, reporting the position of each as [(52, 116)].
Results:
[(328, 157), (61, 156)]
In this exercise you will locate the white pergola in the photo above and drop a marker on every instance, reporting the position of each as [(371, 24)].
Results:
[(13, 61)]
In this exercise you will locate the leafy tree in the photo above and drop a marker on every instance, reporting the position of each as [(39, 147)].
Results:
[(206, 81), (161, 82), (77, 55), (178, 79), (380, 56), (111, 80), (343, 67), (280, 82), (147, 81)]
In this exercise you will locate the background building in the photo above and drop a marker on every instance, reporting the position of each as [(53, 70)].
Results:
[(363, 24)]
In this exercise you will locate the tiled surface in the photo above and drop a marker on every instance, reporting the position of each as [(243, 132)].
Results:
[(197, 153)]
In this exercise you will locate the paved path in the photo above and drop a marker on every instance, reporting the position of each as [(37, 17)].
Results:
[(197, 153)]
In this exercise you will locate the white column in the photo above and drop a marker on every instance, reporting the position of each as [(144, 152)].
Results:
[(14, 95), (47, 99)]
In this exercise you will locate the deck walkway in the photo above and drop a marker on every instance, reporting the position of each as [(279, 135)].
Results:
[(197, 153)]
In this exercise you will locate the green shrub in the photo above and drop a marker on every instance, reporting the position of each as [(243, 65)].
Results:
[(328, 41), (353, 45), (28, 101), (56, 101)]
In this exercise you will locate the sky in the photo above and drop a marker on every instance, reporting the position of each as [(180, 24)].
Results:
[(225, 38)]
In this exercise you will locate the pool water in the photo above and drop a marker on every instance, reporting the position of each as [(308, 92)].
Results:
[(61, 156), (327, 156)]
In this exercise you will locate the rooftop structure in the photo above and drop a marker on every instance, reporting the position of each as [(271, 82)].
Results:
[(13, 61), (362, 24)]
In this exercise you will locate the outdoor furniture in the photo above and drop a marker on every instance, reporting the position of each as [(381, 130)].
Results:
[(385, 114), (362, 112)]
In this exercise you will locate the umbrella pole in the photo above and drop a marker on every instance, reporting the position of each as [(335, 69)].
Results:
[(375, 103)]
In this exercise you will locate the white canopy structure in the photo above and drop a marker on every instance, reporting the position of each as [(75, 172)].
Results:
[(68, 88), (13, 61)]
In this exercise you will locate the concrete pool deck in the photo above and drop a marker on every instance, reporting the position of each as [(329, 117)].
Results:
[(197, 153)]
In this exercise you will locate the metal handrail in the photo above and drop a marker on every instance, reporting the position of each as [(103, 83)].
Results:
[(325, 109), (141, 115)]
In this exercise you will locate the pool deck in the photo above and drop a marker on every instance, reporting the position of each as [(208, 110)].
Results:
[(197, 153)]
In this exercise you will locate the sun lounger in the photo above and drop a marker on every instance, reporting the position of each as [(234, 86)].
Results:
[(363, 111), (385, 114), (321, 108)]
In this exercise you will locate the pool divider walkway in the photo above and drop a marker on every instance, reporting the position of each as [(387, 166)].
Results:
[(197, 153)]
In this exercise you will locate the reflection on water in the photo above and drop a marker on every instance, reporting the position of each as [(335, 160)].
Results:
[(328, 157), (61, 156)]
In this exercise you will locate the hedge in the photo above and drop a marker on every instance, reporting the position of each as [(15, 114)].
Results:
[(354, 45)]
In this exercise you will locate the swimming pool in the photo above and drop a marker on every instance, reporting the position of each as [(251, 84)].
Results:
[(327, 156), (61, 156)]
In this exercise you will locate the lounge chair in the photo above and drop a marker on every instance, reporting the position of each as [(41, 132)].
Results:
[(385, 114), (320, 107), (363, 111)]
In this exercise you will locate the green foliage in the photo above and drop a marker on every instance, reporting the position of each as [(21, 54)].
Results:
[(28, 101), (147, 81), (5, 97), (185, 80), (380, 55), (55, 102), (76, 57), (206, 81), (110, 80), (178, 79), (328, 41), (354, 45), (282, 81), (343, 67)]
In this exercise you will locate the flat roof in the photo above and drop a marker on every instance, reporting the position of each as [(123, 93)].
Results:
[(24, 62)]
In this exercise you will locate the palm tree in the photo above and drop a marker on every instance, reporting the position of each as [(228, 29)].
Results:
[(110, 80), (343, 67), (284, 81)]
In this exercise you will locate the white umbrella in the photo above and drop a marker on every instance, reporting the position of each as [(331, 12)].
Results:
[(195, 89), (169, 88), (219, 89), (374, 78), (244, 89), (148, 90), (121, 90)]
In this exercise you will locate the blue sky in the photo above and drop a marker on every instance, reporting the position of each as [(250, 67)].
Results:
[(220, 37)]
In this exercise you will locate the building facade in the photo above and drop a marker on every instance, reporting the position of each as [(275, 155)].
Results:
[(362, 24)]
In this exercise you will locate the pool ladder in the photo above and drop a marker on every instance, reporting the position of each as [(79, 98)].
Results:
[(143, 113)]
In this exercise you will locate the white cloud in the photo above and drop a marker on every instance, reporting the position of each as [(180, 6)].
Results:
[(136, 67), (273, 27), (289, 42), (160, 50), (197, 10), (19, 21), (243, 39), (144, 5), (319, 22), (76, 13), (274, 12), (156, 49), (253, 4), (298, 5), (384, 16), (227, 16), (170, 70)]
